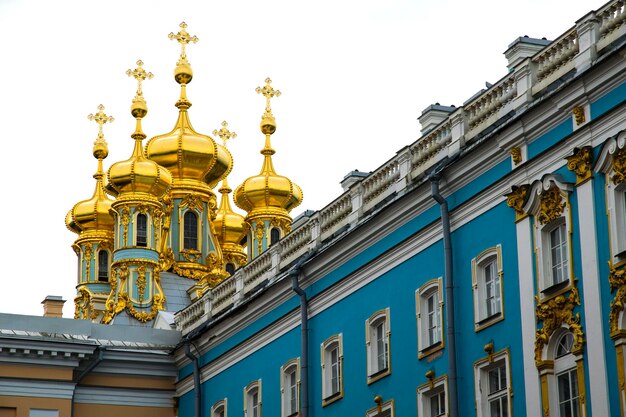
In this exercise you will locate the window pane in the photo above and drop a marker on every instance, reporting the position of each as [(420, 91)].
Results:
[(335, 377), (103, 265), (142, 230), (190, 231)]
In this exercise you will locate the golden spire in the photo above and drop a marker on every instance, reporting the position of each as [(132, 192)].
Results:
[(183, 73), (268, 124), (140, 75), (225, 135), (139, 108)]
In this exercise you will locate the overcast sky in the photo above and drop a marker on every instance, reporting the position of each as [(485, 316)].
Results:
[(355, 75)]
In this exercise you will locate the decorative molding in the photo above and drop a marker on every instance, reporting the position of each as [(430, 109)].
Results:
[(617, 282), (555, 313), (579, 115), (516, 200), (580, 162), (551, 206), (516, 155), (619, 167)]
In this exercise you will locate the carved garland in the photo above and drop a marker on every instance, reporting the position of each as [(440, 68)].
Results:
[(554, 313)]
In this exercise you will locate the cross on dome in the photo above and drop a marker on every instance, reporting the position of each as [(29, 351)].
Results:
[(269, 93), (140, 75), (184, 38), (224, 133), (101, 118)]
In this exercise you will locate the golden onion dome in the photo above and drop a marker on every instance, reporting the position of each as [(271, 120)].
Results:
[(138, 174), (229, 226), (93, 215), (187, 154), (268, 192)]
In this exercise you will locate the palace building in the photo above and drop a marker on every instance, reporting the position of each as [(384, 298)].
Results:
[(481, 271)]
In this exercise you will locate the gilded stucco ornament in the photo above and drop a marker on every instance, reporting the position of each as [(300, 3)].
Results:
[(84, 308), (125, 218), (191, 255), (551, 206), (259, 233), (141, 283), (555, 313), (166, 259), (617, 282), (516, 199), (516, 155), (88, 256), (579, 115), (580, 163), (191, 201), (619, 167)]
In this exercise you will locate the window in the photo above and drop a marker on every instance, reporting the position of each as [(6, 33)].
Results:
[(190, 240), (558, 254), (429, 306), (492, 386), (332, 369), (566, 378), (290, 388), (432, 398), (230, 268), (274, 235), (613, 151), (377, 334), (219, 409), (487, 287), (103, 265), (142, 230), (252, 399)]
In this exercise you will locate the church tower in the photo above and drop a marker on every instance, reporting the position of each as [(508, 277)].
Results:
[(197, 164), (229, 225), (93, 223), (141, 187), (267, 197)]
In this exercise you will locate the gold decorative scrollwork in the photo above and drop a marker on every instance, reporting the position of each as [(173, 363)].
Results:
[(141, 282), (194, 273), (516, 199), (166, 259), (580, 163), (516, 155), (125, 219), (142, 208), (617, 282), (88, 256), (191, 201), (551, 206), (84, 308), (554, 313), (619, 167), (579, 115), (191, 255), (259, 234)]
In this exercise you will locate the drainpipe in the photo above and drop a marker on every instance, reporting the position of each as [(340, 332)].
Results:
[(92, 365), (196, 381), (447, 250), (294, 273)]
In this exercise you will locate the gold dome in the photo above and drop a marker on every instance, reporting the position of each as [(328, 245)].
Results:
[(229, 226), (138, 174), (187, 154), (268, 192), (93, 215)]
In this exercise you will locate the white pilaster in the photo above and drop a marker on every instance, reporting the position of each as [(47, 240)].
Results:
[(593, 315), (527, 316)]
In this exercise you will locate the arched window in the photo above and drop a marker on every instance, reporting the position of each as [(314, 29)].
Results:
[(190, 240), (103, 265), (230, 268), (142, 230), (565, 396), (274, 235)]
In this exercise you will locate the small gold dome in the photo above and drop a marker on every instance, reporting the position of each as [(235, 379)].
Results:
[(268, 192), (93, 214), (229, 226)]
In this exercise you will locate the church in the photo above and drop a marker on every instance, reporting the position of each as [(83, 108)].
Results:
[(480, 271)]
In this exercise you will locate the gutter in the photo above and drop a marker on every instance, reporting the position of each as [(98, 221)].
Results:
[(295, 273), (92, 365), (449, 278), (196, 381)]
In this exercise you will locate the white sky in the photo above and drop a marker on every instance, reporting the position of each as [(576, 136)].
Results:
[(355, 75)]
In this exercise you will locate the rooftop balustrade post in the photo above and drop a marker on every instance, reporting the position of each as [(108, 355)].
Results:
[(404, 164), (356, 194), (240, 276), (207, 306), (525, 76), (588, 31), (458, 121)]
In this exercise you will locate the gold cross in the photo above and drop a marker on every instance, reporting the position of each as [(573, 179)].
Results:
[(183, 38), (101, 119), (224, 133), (140, 75), (269, 92)]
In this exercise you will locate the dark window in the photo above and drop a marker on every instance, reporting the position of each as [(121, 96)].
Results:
[(142, 230), (274, 235), (230, 268), (190, 230), (103, 265)]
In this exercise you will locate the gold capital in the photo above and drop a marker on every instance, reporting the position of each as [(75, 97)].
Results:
[(101, 118), (140, 75), (269, 93), (224, 133), (184, 38)]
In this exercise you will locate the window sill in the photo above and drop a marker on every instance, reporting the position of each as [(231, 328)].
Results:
[(378, 375), (430, 350), (555, 287), (488, 321), (332, 398)]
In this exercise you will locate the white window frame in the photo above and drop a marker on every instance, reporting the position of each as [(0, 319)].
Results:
[(428, 391), (328, 369), (565, 364), (387, 409), (375, 342), (616, 201), (248, 393), (490, 256), (424, 345), (481, 383), (148, 229), (223, 404), (286, 395)]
